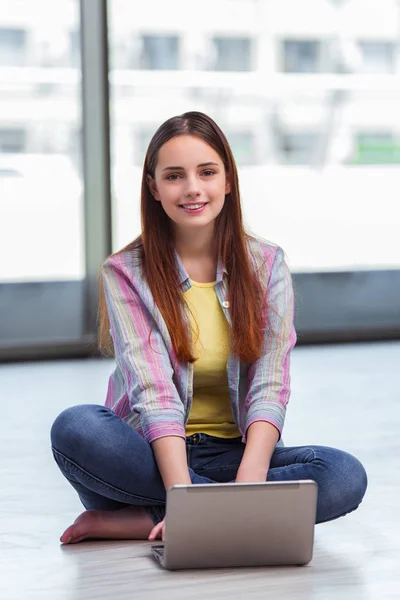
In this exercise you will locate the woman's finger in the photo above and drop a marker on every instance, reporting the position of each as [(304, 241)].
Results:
[(155, 531)]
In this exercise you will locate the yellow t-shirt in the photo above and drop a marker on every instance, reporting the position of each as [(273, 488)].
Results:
[(211, 410)]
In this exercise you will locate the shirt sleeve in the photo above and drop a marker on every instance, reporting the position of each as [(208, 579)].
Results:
[(269, 377), (146, 367)]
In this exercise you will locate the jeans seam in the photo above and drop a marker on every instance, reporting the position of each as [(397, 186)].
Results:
[(311, 455), (309, 458), (221, 468), (103, 484), (294, 467), (189, 455)]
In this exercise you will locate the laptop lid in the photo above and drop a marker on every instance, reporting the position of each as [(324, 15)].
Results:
[(240, 524)]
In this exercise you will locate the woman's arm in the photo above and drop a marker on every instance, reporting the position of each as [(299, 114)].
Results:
[(261, 441), (170, 454), (147, 371), (146, 368), (269, 377)]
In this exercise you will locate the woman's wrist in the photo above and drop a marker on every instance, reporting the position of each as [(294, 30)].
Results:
[(170, 455), (251, 473), (261, 441)]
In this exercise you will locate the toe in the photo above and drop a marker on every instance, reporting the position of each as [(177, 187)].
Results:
[(66, 536), (78, 530)]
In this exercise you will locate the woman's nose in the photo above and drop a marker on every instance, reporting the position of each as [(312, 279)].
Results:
[(192, 187)]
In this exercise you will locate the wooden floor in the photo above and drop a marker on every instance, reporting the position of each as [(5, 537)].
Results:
[(345, 396)]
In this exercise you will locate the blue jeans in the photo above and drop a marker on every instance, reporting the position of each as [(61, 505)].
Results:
[(111, 466)]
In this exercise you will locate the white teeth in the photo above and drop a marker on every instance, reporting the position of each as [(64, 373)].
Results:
[(192, 206)]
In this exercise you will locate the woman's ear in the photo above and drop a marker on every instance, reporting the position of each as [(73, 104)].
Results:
[(152, 187), (227, 187)]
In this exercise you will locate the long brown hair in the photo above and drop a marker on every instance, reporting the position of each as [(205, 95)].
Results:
[(158, 253)]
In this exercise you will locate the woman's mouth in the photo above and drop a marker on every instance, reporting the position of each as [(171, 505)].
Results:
[(193, 208)]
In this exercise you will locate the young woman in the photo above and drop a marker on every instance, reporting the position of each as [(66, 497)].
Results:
[(199, 317)]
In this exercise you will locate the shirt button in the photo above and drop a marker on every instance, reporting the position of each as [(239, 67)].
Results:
[(226, 304)]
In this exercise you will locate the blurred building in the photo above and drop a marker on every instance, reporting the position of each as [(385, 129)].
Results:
[(276, 61)]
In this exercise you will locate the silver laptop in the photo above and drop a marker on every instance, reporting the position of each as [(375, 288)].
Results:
[(238, 525)]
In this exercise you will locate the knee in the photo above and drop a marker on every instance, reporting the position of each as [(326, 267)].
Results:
[(353, 477), (76, 425), (344, 485)]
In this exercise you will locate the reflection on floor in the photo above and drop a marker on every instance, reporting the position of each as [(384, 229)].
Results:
[(345, 396)]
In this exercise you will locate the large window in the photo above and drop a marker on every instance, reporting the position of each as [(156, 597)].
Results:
[(299, 148), (376, 147), (378, 57), (12, 140), (315, 136), (301, 56), (232, 54), (13, 51), (159, 52), (41, 200), (303, 140), (306, 92)]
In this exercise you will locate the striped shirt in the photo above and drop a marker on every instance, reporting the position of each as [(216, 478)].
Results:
[(152, 390)]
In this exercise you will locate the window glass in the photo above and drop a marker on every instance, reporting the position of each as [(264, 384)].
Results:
[(159, 52), (298, 88), (12, 46), (41, 199), (301, 56), (232, 54)]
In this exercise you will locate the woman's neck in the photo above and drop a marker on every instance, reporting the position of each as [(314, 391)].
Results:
[(198, 255), (196, 246)]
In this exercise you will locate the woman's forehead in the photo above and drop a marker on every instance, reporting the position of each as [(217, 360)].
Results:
[(186, 151)]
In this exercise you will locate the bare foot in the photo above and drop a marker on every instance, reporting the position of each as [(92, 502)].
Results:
[(130, 523)]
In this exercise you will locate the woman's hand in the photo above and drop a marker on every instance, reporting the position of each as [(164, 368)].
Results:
[(157, 529), (251, 475)]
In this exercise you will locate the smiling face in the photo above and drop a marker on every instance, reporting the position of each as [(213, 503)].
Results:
[(190, 182)]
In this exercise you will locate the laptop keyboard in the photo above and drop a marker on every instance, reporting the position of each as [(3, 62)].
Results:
[(159, 550)]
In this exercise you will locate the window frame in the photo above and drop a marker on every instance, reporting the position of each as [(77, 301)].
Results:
[(329, 306)]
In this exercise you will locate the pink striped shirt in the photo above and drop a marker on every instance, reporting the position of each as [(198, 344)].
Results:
[(152, 391)]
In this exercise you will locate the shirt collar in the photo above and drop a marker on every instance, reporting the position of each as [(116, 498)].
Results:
[(183, 274)]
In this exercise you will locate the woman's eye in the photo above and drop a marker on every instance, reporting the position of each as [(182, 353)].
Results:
[(172, 177), (209, 172)]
